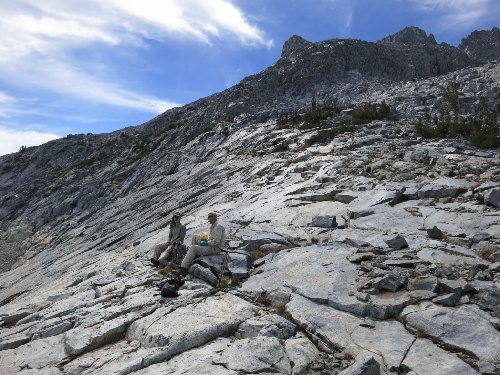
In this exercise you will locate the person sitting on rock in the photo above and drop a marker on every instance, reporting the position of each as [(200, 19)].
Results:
[(214, 245), (175, 241)]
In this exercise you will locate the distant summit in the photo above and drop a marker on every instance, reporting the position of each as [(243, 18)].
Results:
[(483, 45), (410, 35), (293, 45)]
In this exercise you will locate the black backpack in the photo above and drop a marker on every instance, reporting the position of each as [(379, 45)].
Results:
[(170, 288)]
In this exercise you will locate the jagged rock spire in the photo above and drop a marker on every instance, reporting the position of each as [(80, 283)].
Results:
[(293, 45), (410, 35)]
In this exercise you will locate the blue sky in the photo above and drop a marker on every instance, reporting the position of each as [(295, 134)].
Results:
[(95, 66)]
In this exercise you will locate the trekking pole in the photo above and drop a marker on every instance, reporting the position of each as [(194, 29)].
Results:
[(175, 251), (225, 261)]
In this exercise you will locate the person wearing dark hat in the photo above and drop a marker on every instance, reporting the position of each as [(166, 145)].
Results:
[(175, 239)]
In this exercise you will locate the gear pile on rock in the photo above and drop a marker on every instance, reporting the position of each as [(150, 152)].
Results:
[(366, 250)]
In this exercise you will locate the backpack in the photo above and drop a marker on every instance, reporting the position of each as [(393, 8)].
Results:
[(169, 291), (170, 288)]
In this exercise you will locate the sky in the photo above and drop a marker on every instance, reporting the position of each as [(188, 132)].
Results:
[(96, 66)]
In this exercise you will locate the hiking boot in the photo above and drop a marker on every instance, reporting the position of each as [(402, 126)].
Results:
[(155, 262)]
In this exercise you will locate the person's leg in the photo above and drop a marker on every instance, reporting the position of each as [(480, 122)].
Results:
[(164, 257), (196, 250), (158, 249), (210, 250), (192, 252)]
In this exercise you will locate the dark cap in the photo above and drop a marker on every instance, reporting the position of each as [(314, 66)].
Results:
[(176, 214)]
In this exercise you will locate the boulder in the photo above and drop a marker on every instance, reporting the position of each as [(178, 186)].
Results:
[(356, 243), (450, 299), (435, 233), (443, 188), (481, 236), (360, 257), (239, 264), (423, 283), (390, 282), (324, 221), (492, 197), (363, 366), (487, 295), (397, 243), (453, 286)]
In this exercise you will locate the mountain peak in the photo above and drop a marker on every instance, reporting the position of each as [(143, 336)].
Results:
[(410, 35), (482, 45), (294, 44)]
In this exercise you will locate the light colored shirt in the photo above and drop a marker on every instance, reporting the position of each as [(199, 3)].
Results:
[(217, 236)]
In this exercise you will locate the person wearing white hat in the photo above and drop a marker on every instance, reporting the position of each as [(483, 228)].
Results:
[(214, 246)]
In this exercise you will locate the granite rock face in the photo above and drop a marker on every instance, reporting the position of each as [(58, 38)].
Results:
[(483, 45), (335, 264)]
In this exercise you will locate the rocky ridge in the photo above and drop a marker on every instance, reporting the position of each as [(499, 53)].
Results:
[(410, 36), (482, 45), (375, 252)]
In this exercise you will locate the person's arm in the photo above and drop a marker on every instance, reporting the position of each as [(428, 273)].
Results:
[(182, 234)]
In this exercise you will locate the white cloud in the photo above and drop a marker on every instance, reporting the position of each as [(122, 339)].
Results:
[(198, 19), (7, 104), (342, 13), (5, 98), (12, 140), (59, 76), (40, 40), (456, 14)]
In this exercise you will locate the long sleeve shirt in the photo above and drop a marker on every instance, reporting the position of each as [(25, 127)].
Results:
[(177, 233), (217, 236)]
